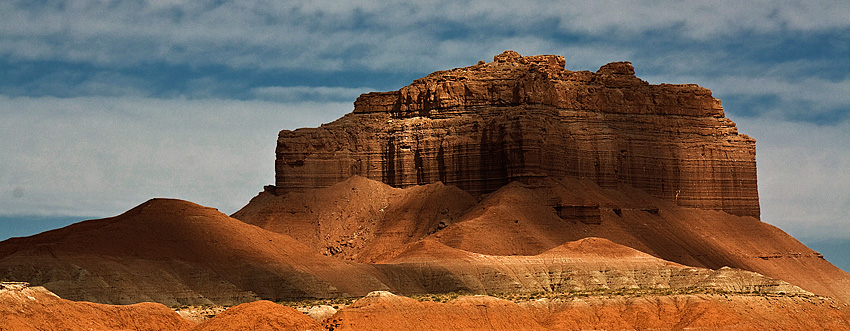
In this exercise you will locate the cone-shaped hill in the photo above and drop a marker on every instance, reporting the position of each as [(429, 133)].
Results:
[(174, 251)]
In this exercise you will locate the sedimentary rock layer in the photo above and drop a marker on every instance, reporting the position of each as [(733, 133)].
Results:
[(523, 118), (24, 308), (384, 311)]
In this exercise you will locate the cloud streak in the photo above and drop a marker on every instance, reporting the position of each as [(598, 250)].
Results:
[(778, 96), (329, 35), (804, 185), (308, 93), (102, 155)]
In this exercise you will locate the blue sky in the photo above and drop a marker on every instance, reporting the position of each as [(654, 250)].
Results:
[(106, 104)]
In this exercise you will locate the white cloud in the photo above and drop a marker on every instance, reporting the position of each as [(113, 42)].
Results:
[(703, 19), (309, 93), (103, 155), (820, 95), (75, 83), (825, 93), (804, 183), (334, 35)]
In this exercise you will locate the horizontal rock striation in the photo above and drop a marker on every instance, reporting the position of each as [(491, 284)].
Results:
[(524, 118), (385, 311)]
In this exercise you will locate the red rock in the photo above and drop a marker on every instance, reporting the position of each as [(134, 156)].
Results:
[(33, 308), (693, 312), (358, 219), (386, 311), (177, 252), (259, 316), (523, 118), (524, 220)]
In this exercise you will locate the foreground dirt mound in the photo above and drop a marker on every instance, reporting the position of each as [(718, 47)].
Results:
[(177, 252), (23, 308), (26, 308), (259, 316), (694, 312), (384, 311)]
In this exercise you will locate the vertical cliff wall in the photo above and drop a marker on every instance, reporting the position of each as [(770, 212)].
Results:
[(526, 118)]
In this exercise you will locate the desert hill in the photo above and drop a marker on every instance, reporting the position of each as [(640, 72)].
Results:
[(514, 221), (259, 316), (527, 220), (177, 252), (358, 219)]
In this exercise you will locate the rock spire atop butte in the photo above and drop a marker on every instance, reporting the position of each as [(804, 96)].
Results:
[(526, 118)]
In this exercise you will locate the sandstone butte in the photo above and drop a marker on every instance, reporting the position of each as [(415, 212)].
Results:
[(525, 119), (515, 176), (523, 145)]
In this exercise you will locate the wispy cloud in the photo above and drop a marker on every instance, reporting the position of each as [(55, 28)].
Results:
[(335, 35), (704, 19), (102, 155), (780, 96), (71, 83), (309, 93), (804, 185)]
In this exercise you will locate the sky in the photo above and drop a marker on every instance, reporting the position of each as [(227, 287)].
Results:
[(106, 104)]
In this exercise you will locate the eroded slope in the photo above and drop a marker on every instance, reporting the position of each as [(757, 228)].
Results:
[(24, 308), (529, 219), (177, 252)]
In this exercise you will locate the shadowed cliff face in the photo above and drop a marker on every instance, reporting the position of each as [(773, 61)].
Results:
[(524, 118)]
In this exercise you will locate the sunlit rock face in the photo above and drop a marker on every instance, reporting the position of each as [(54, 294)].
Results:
[(522, 118)]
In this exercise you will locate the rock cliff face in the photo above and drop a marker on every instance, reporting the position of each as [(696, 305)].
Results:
[(524, 118)]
